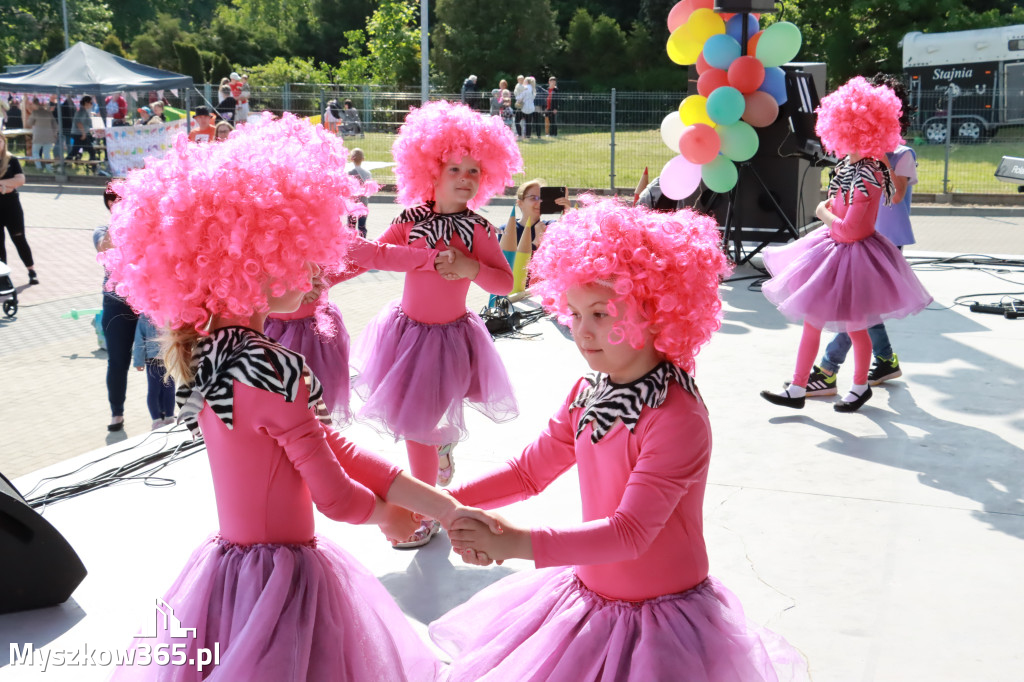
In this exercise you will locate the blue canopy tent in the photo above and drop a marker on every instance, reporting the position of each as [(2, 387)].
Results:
[(83, 68)]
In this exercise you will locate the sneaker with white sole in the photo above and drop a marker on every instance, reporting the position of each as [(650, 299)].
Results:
[(819, 383), (883, 370)]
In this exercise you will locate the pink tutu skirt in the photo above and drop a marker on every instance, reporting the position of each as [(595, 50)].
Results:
[(326, 357), (842, 287), (283, 613), (415, 377), (545, 625)]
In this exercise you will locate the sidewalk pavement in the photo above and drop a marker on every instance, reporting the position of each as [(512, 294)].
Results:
[(882, 544)]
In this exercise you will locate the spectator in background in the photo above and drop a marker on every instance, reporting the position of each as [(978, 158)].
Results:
[(14, 116), (333, 116), (158, 112), (235, 83), (529, 108), (242, 113), (222, 130), (496, 97), (351, 123), (117, 109), (44, 132), (145, 116), (469, 90), (203, 130), (226, 106), (551, 108), (81, 131), (507, 112), (12, 218), (363, 175), (67, 115), (518, 104)]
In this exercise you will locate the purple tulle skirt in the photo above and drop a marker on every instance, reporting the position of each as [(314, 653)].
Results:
[(839, 286), (545, 625), (284, 613), (415, 377), (326, 357)]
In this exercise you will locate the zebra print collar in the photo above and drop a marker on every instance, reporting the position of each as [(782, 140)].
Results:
[(241, 354), (859, 175), (604, 402), (441, 227)]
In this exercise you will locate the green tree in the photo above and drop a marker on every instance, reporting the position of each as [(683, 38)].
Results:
[(190, 62), (164, 32), (27, 27), (489, 38), (220, 67), (393, 44), (146, 50), (279, 71), (112, 44)]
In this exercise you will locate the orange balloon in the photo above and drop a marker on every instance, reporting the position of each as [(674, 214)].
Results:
[(752, 43)]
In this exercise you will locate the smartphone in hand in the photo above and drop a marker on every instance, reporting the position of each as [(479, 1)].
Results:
[(547, 199)]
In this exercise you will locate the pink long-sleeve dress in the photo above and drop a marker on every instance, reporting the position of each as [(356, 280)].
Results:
[(626, 594), (848, 276), (279, 602), (421, 359)]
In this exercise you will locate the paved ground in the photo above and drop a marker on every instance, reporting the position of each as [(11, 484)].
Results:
[(882, 544)]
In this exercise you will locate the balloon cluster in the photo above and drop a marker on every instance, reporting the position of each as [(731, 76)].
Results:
[(737, 91)]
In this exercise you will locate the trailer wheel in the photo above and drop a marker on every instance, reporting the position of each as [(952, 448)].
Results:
[(970, 131), (935, 132)]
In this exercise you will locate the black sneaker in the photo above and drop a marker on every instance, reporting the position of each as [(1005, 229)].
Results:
[(32, 277), (883, 370), (819, 383)]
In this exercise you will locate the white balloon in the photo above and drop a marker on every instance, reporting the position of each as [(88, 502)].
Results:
[(671, 130)]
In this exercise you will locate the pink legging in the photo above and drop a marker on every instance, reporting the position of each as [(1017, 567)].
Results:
[(423, 459), (810, 340)]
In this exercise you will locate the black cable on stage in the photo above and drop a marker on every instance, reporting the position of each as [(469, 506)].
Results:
[(143, 469)]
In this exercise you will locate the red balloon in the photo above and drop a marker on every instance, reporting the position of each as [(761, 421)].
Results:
[(706, 4), (702, 65), (699, 143), (746, 74), (752, 43), (711, 80), (678, 15), (726, 16), (761, 109)]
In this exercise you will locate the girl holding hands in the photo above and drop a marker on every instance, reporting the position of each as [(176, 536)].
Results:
[(625, 595), (426, 356), (845, 276), (279, 601)]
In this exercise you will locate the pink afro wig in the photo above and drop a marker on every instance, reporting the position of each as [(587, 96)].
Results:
[(665, 269), (204, 229), (442, 132), (859, 118)]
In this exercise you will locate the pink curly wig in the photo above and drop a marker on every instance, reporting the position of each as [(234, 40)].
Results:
[(859, 118), (203, 230), (442, 132), (665, 269)]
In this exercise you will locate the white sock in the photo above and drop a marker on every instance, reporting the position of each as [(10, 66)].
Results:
[(856, 391), (794, 391)]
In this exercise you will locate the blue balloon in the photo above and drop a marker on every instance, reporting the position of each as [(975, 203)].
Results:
[(721, 50), (774, 83), (734, 27)]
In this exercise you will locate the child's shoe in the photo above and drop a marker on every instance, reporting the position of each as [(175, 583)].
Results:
[(792, 396), (819, 383), (883, 370), (424, 534), (445, 464), (860, 396)]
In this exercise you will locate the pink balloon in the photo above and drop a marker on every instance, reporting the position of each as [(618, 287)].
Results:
[(702, 65), (746, 74), (761, 109), (678, 15), (699, 143), (679, 178), (711, 80)]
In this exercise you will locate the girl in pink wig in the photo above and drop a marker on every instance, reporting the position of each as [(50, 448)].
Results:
[(207, 241), (626, 594), (845, 276), (422, 358)]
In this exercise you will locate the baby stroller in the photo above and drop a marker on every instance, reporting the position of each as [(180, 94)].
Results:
[(7, 289)]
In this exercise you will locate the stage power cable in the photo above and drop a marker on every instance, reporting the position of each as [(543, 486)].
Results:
[(144, 469)]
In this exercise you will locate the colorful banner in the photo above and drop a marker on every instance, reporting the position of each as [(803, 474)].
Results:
[(129, 146)]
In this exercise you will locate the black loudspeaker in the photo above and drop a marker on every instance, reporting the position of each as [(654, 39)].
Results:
[(37, 565), (734, 6)]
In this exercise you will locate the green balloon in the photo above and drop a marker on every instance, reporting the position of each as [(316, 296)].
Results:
[(739, 141), (778, 44), (719, 175)]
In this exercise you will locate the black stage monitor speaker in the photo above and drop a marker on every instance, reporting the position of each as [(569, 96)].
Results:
[(37, 565), (734, 6)]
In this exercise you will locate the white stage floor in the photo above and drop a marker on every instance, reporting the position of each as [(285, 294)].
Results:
[(885, 545)]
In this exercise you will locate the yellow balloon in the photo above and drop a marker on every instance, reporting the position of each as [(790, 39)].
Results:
[(704, 23), (694, 109), (682, 48)]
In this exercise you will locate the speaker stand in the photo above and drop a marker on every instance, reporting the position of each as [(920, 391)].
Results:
[(731, 231)]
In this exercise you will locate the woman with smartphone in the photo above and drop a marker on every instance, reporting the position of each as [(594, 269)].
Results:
[(535, 200)]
